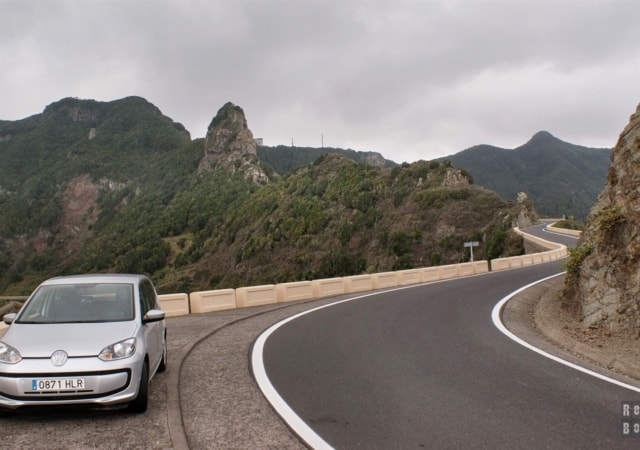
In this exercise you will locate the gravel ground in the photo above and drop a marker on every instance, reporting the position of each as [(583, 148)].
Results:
[(208, 399)]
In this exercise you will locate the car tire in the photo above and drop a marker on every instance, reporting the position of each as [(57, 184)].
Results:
[(139, 404), (163, 362)]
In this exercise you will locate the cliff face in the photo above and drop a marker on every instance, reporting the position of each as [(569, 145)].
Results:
[(229, 145), (603, 282)]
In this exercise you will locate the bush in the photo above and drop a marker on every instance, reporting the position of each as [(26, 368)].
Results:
[(576, 258)]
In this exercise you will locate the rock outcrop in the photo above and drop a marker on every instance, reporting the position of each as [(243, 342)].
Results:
[(77, 110), (603, 281), (528, 215), (229, 145)]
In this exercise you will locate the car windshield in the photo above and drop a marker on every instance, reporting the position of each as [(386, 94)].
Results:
[(79, 303)]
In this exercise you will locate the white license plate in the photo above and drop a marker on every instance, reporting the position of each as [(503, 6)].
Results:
[(57, 384)]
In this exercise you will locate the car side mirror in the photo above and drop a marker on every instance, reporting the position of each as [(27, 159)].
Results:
[(9, 318), (153, 315)]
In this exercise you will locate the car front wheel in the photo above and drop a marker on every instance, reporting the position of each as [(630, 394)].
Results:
[(139, 404), (163, 362)]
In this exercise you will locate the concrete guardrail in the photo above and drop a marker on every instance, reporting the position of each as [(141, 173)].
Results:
[(217, 300), (557, 251), (222, 299), (575, 233)]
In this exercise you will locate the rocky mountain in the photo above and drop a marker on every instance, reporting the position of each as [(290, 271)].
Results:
[(602, 286), (229, 145), (562, 179), (90, 186), (285, 159)]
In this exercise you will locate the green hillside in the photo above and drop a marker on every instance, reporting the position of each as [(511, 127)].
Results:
[(285, 159), (91, 186), (559, 177)]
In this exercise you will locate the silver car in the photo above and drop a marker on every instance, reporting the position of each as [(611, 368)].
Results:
[(84, 339)]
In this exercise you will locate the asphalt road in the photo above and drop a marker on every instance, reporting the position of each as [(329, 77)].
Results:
[(208, 398), (424, 367)]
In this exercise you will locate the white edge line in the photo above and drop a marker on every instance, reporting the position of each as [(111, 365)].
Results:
[(287, 414), (309, 436), (497, 321)]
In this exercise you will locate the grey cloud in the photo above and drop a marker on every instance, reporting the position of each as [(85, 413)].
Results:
[(409, 78)]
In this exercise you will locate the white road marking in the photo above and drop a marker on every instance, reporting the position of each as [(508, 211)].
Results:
[(497, 321), (307, 434)]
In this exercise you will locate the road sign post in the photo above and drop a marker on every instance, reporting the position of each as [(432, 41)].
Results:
[(471, 244)]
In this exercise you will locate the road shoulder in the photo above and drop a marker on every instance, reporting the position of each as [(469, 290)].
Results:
[(535, 316)]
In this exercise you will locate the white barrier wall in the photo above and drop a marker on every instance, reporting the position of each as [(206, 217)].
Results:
[(575, 233), (174, 304), (558, 251), (256, 295), (430, 274), (327, 287), (289, 292), (409, 276), (384, 280), (358, 283), (447, 272), (217, 300), (209, 301)]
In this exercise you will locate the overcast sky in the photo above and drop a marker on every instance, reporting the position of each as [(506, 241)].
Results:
[(411, 79)]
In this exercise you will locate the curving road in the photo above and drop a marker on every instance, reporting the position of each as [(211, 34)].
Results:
[(425, 367)]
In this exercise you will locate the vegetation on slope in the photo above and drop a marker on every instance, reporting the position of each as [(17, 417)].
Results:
[(562, 179), (337, 217), (89, 186)]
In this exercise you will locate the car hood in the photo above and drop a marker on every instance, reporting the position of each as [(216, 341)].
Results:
[(77, 339)]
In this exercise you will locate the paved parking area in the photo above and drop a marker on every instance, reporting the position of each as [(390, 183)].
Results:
[(206, 399)]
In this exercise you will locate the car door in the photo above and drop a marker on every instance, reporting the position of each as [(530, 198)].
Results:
[(153, 331)]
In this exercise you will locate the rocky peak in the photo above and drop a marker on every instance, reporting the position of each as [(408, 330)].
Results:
[(229, 145), (527, 216), (543, 139), (602, 284), (455, 179), (375, 159), (77, 110)]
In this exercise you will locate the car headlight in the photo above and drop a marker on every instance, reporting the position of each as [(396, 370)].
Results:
[(119, 350), (8, 354)]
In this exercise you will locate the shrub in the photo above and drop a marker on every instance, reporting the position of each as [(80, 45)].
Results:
[(576, 258)]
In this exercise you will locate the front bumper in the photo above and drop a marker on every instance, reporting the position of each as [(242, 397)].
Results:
[(103, 383)]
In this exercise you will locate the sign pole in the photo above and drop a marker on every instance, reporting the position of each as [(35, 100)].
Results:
[(471, 244)]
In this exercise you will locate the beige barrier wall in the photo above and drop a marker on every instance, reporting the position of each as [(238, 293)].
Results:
[(542, 242), (500, 264), (409, 276), (430, 274), (358, 283), (466, 269), (256, 295), (384, 280), (327, 287), (174, 304), (209, 301), (576, 233), (289, 292), (481, 266), (446, 272), (558, 251)]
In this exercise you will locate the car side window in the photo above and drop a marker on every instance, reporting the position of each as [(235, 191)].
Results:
[(147, 297)]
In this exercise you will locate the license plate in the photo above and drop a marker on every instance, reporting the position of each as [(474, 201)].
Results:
[(57, 384)]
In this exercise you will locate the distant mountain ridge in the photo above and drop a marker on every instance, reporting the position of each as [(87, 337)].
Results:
[(285, 159), (560, 178), (90, 186)]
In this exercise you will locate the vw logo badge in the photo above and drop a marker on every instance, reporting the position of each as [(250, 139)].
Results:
[(59, 358)]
